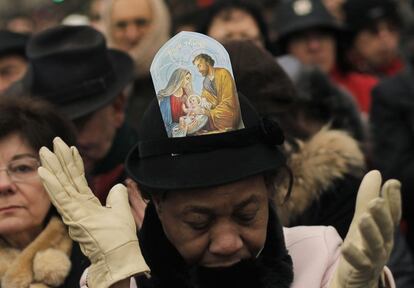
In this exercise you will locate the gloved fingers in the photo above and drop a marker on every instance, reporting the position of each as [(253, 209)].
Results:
[(356, 257), (67, 160), (57, 194), (79, 178), (78, 159), (381, 214), (50, 161), (391, 192), (369, 189), (372, 241), (78, 163), (118, 198), (64, 156)]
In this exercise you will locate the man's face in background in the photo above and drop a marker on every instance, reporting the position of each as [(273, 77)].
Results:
[(131, 20), (96, 132), (316, 47)]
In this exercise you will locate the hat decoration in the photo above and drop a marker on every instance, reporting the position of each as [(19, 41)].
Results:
[(302, 7), (195, 86)]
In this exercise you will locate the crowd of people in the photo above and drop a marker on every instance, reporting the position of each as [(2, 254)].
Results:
[(244, 132)]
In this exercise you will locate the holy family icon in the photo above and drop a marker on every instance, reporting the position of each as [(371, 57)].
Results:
[(195, 87)]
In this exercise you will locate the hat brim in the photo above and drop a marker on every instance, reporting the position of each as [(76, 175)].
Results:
[(199, 170), (123, 68)]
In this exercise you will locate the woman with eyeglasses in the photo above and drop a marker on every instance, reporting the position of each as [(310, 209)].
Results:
[(35, 248)]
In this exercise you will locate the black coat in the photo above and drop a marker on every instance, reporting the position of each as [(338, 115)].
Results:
[(79, 263), (392, 120), (335, 207)]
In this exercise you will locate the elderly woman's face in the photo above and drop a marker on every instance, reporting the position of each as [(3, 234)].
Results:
[(24, 202), (218, 226)]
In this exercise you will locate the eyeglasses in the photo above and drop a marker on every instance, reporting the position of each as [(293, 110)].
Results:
[(22, 170)]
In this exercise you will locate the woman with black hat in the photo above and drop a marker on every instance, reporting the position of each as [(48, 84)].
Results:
[(210, 221)]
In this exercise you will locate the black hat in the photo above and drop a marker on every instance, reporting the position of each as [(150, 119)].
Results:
[(160, 162), (298, 15), (72, 67), (360, 14), (12, 43), (234, 142)]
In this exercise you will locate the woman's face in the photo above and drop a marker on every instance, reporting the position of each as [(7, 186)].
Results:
[(24, 202), (187, 80), (217, 226)]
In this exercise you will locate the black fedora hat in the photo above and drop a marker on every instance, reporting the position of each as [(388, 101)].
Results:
[(71, 67), (12, 43), (162, 163), (299, 15)]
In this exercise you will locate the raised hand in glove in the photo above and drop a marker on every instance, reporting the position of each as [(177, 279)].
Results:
[(369, 241), (106, 235)]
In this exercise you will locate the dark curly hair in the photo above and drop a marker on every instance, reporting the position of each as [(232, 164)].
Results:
[(35, 120)]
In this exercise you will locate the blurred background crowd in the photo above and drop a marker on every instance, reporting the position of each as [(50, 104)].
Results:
[(336, 74)]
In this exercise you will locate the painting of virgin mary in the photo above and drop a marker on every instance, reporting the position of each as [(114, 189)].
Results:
[(173, 97)]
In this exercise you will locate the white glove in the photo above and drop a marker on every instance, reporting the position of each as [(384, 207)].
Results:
[(106, 235), (369, 241)]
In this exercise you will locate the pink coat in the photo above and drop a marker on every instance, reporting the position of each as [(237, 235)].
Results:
[(315, 252)]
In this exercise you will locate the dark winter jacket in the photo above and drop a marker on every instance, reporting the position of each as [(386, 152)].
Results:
[(392, 122)]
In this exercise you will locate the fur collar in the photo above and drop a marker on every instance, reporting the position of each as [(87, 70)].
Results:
[(168, 268), (43, 263), (329, 155)]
